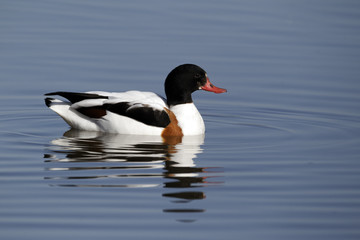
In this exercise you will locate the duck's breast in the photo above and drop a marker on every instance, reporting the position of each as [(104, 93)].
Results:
[(189, 119)]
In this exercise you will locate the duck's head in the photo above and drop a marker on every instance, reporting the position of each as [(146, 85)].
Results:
[(183, 80)]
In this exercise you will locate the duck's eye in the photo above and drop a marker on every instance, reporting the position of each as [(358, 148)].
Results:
[(197, 75)]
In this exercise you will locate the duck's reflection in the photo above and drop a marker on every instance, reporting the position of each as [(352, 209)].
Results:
[(91, 159)]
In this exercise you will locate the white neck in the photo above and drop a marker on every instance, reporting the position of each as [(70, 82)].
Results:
[(189, 119)]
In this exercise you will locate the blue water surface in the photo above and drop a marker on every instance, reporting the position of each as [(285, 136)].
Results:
[(280, 158)]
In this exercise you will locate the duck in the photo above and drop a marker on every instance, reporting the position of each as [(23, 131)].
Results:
[(139, 112)]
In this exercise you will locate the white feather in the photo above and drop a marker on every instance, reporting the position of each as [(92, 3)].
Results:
[(72, 117), (189, 118), (116, 123), (135, 98), (89, 103)]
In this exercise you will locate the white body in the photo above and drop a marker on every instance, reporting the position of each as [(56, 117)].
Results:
[(189, 118)]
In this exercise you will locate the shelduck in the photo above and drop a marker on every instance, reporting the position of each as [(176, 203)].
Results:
[(137, 112)]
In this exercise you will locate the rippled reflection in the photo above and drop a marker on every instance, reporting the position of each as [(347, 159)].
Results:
[(92, 159)]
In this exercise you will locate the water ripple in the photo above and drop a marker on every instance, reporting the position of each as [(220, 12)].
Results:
[(96, 160)]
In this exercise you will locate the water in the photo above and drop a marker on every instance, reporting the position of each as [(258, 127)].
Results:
[(280, 158)]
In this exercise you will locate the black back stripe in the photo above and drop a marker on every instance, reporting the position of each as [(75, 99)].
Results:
[(48, 101), (92, 112), (74, 97), (146, 115)]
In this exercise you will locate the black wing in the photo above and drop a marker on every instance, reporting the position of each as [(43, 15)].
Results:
[(75, 97), (144, 114)]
